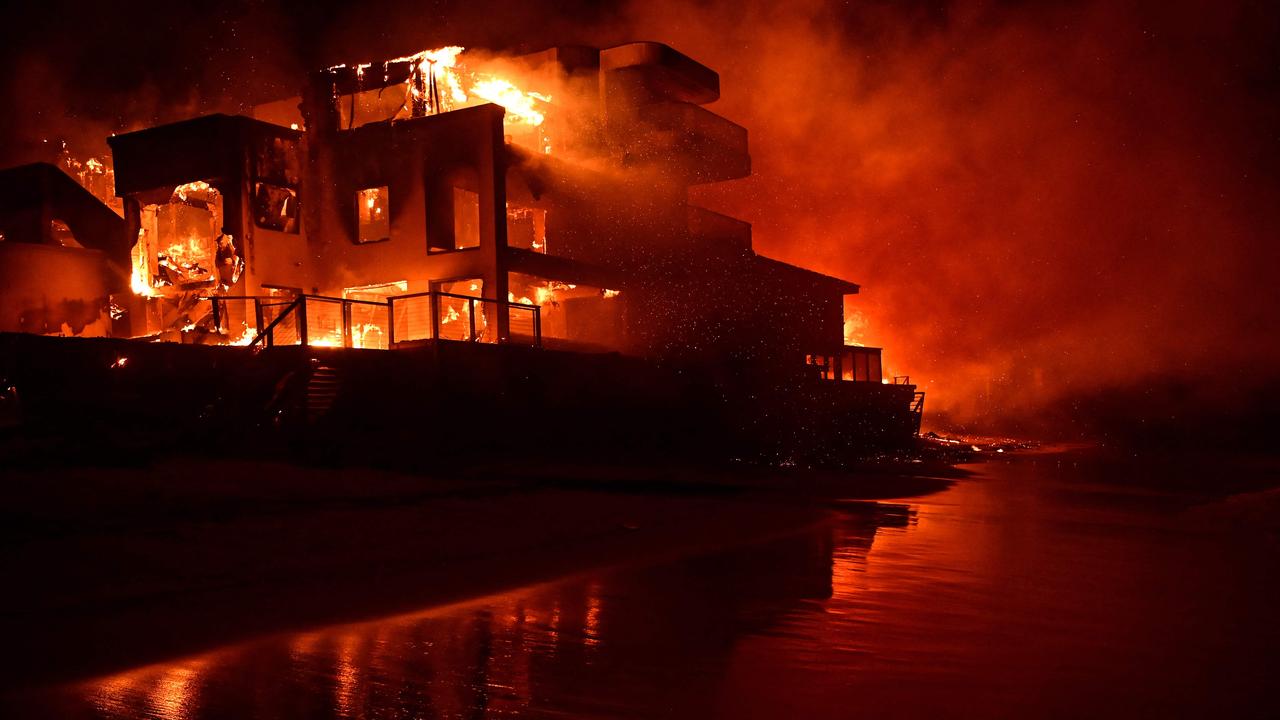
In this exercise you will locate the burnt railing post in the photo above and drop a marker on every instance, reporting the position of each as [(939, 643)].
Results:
[(347, 340), (391, 322), (471, 316), (301, 320), (435, 315)]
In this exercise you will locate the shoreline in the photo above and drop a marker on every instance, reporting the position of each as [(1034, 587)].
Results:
[(119, 567)]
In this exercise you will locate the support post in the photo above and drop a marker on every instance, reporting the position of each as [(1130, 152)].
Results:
[(435, 315), (391, 322), (301, 320), (347, 340)]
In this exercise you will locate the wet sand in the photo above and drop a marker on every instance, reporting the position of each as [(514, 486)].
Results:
[(115, 567), (1046, 584)]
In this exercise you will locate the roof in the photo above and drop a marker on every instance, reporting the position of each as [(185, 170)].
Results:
[(802, 275), (44, 187), (202, 148)]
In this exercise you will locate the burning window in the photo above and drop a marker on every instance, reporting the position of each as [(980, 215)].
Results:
[(580, 314), (824, 364), (466, 218), (456, 316), (372, 208), (861, 364), (527, 228), (275, 208)]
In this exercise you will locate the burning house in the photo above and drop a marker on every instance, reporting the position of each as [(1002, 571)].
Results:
[(516, 226)]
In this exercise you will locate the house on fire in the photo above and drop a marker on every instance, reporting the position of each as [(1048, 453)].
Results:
[(427, 199)]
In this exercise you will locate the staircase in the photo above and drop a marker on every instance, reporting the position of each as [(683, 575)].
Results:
[(917, 409), (322, 391)]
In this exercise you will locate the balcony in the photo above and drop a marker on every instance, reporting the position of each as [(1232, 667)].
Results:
[(853, 363), (403, 320)]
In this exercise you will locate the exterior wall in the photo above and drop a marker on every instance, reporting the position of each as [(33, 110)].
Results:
[(50, 290), (419, 161), (231, 154)]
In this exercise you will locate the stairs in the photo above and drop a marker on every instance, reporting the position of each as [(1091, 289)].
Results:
[(917, 409), (322, 391)]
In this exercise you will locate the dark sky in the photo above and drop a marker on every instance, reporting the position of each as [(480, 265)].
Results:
[(1043, 201)]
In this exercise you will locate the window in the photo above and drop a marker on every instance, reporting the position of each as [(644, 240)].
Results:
[(466, 218), (275, 208), (372, 208), (453, 209), (527, 228)]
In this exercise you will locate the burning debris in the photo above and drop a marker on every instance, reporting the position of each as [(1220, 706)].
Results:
[(434, 82)]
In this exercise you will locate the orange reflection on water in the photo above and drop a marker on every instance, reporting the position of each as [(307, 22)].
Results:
[(347, 674), (591, 624), (504, 653), (169, 692)]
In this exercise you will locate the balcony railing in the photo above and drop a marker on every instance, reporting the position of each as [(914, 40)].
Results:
[(320, 321)]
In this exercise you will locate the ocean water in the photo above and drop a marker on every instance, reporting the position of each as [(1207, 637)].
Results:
[(1039, 587)]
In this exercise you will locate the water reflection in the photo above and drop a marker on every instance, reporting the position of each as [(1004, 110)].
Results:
[(1019, 593), (633, 642)]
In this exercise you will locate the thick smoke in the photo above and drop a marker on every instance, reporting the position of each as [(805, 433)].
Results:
[(1041, 204), (1044, 203)]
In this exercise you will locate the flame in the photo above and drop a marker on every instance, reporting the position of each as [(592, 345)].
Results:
[(368, 335), (185, 255), (855, 328), (546, 294), (182, 191), (140, 277), (95, 175), (518, 103), (245, 338), (192, 258), (458, 86)]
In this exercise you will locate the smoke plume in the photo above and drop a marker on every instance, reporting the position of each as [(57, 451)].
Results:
[(1045, 203), (1042, 204)]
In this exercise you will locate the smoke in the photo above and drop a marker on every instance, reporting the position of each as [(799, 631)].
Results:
[(1041, 203), (78, 72)]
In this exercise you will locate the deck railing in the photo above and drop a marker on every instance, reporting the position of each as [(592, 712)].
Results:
[(446, 316), (320, 321)]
